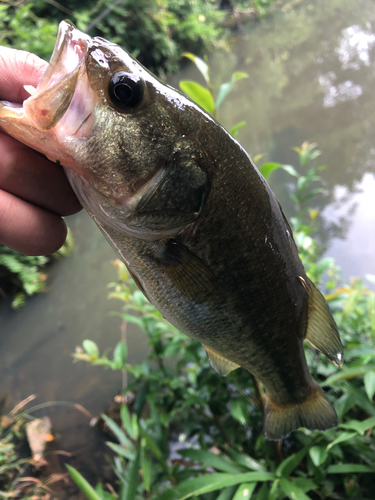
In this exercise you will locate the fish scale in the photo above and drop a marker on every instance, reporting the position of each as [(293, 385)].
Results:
[(188, 212)]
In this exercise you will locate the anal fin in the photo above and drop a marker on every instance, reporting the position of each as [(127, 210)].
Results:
[(321, 330), (222, 365)]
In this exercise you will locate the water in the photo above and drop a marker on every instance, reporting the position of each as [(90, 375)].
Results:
[(311, 77)]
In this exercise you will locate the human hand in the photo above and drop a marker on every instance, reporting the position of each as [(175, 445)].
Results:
[(34, 192)]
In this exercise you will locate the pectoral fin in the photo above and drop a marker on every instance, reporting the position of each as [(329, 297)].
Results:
[(189, 274), (321, 330), (222, 365)]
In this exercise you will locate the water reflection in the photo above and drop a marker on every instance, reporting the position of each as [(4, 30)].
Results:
[(360, 232), (334, 94), (354, 46)]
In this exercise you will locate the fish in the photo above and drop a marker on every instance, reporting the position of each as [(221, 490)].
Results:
[(188, 212)]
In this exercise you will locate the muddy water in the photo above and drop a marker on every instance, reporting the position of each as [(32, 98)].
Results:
[(311, 77)]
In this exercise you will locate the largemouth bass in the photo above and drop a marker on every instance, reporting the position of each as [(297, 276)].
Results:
[(188, 212)]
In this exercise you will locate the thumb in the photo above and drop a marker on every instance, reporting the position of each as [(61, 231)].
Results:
[(18, 68)]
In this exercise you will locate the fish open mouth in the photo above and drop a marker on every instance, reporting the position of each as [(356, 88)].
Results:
[(56, 89)]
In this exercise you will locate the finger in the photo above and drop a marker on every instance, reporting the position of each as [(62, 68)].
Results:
[(35, 179), (19, 68), (29, 229)]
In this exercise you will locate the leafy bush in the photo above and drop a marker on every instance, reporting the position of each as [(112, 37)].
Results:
[(23, 275), (22, 29), (154, 31)]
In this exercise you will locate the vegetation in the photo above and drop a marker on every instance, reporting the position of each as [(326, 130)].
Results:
[(154, 31), (22, 275), (14, 463)]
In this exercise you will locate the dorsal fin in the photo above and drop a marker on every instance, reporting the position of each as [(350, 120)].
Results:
[(222, 365), (321, 329)]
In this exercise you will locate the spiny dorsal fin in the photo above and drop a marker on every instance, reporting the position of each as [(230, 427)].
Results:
[(321, 330), (222, 365)]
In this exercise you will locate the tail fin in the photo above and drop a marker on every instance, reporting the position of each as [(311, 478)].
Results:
[(316, 412)]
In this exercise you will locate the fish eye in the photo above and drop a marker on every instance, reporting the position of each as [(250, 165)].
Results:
[(126, 90)]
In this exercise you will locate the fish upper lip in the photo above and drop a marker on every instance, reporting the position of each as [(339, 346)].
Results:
[(70, 51)]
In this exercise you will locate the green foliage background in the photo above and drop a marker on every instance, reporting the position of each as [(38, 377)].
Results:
[(156, 32)]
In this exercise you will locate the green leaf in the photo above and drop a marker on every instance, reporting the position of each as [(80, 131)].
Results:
[(347, 373), (257, 158), (292, 490), (238, 75), (227, 493), (360, 398), (225, 88), (128, 453), (117, 431), (290, 463), (350, 303), (344, 436), (234, 130), (244, 491), (363, 350), (274, 492), (267, 168), (131, 488), (83, 485), (371, 310), (359, 426), (238, 411), (318, 454), (91, 348), (245, 460), (304, 483), (209, 459), (120, 353), (200, 64), (213, 482), (132, 319), (126, 420), (145, 465), (152, 445), (349, 468), (369, 381), (199, 94), (291, 170)]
